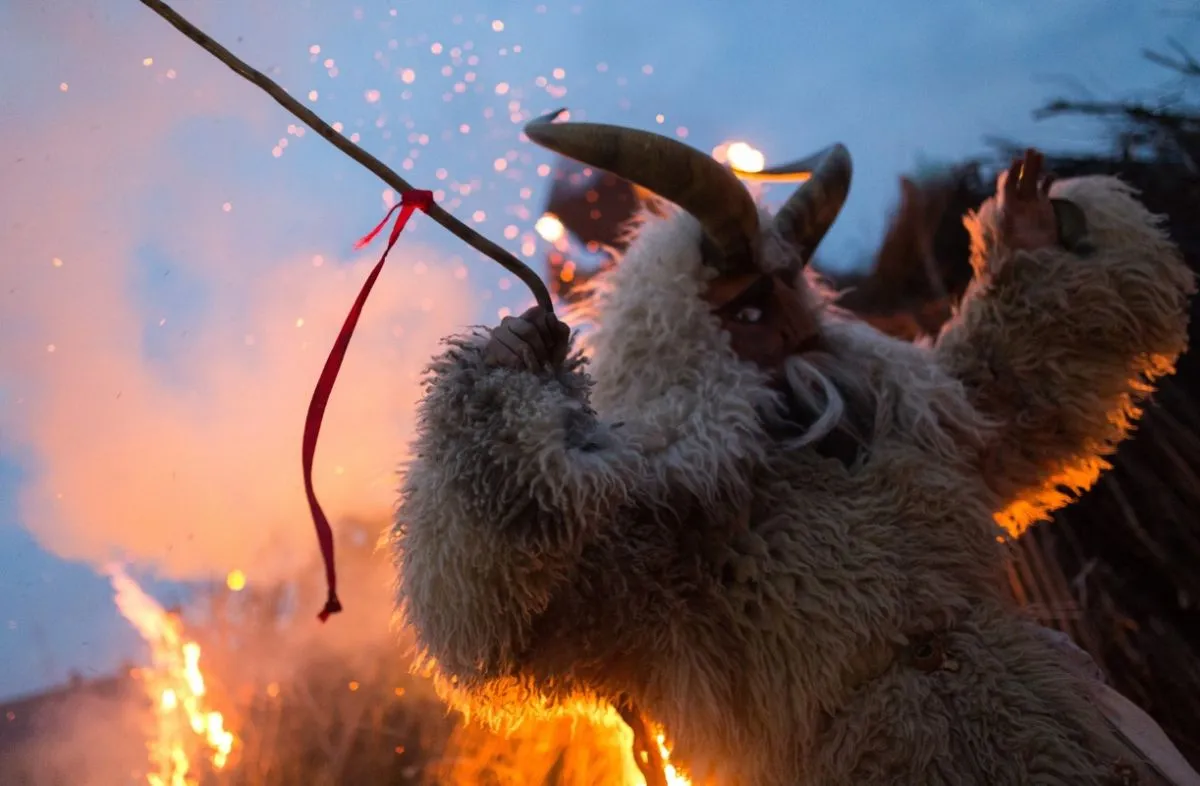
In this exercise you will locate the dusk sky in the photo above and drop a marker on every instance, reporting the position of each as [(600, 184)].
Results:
[(176, 254)]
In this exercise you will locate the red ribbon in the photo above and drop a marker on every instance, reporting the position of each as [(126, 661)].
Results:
[(410, 201)]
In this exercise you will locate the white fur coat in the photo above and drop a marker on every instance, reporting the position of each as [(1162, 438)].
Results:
[(628, 525)]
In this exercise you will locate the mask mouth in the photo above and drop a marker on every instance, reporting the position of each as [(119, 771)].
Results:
[(712, 193)]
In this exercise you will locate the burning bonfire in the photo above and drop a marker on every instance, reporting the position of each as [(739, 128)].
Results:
[(190, 743), (186, 729), (583, 746)]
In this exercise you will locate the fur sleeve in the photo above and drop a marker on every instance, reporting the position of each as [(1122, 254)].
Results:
[(512, 478), (1060, 349)]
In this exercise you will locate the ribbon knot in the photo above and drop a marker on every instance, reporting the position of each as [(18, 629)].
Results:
[(410, 201)]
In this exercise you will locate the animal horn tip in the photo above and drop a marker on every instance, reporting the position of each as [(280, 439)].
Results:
[(839, 153), (807, 215), (546, 119)]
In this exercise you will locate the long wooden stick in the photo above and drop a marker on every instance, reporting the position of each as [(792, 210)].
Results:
[(652, 765), (310, 119)]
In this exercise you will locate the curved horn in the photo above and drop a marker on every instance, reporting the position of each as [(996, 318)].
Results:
[(671, 169), (809, 212)]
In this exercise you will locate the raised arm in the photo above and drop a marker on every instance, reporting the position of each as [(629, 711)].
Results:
[(1078, 306), (513, 478), (514, 534)]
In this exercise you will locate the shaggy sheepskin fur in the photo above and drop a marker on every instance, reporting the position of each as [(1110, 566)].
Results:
[(632, 524)]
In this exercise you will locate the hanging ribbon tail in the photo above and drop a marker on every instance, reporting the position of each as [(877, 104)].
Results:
[(410, 201), (366, 239)]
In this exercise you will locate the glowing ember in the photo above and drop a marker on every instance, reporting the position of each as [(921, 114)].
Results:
[(740, 155), (236, 580), (186, 729), (746, 158), (550, 228)]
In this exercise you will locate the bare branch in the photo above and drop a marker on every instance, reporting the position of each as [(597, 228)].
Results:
[(1139, 113), (1183, 63), (309, 118)]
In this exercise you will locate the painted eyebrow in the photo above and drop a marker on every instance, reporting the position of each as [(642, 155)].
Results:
[(752, 294)]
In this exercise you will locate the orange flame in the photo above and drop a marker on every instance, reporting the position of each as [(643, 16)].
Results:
[(674, 777), (185, 727), (740, 156), (575, 745), (189, 737)]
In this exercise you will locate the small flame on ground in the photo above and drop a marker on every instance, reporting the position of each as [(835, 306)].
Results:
[(674, 777), (185, 727)]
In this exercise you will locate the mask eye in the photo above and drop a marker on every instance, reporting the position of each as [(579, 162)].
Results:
[(750, 315)]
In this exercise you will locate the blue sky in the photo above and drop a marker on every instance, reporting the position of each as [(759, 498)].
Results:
[(175, 258)]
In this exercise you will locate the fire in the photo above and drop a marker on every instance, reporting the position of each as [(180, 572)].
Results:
[(579, 744), (674, 778), (186, 729), (746, 158), (550, 228), (188, 741), (740, 155)]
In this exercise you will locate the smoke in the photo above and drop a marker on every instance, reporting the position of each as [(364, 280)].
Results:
[(157, 375), (89, 737)]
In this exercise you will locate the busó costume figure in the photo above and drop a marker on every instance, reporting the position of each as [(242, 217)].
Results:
[(772, 526)]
